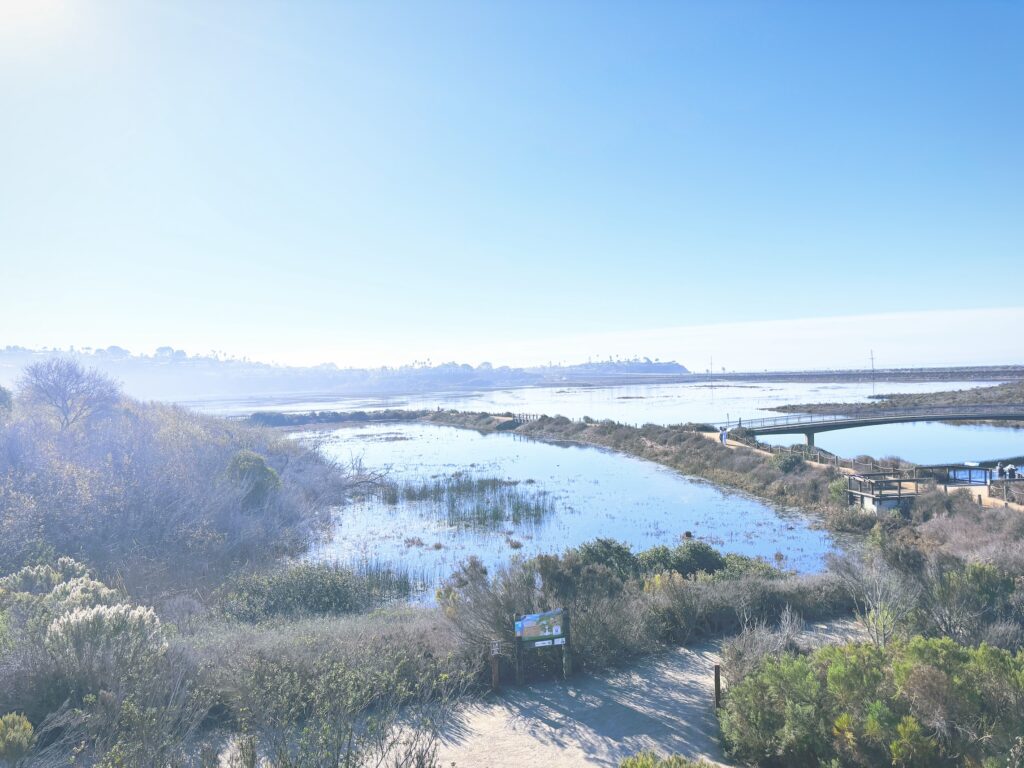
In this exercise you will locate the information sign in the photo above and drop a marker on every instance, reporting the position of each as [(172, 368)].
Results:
[(539, 630)]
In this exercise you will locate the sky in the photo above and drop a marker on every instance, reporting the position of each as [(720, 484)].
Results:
[(771, 184)]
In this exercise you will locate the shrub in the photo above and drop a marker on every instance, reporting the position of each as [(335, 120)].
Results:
[(310, 589), (692, 557), (609, 553), (774, 716), (926, 702), (156, 496), (688, 559), (16, 738), (257, 480), (788, 462), (97, 648), (654, 760), (837, 491)]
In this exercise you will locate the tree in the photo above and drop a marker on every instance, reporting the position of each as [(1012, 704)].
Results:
[(5, 399), (884, 601), (72, 392)]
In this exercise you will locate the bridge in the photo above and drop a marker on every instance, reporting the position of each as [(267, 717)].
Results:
[(810, 424)]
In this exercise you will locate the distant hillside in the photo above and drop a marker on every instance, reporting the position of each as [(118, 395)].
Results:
[(171, 374)]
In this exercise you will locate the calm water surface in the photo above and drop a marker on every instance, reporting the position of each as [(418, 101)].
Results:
[(592, 493), (924, 443), (634, 404)]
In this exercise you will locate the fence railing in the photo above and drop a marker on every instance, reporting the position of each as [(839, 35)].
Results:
[(817, 456), (1007, 490)]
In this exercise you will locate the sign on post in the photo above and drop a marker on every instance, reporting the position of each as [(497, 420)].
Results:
[(543, 630), (539, 630)]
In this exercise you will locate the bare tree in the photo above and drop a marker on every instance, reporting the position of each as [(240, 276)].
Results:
[(884, 600), (71, 391)]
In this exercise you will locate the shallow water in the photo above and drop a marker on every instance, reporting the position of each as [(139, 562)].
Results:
[(593, 493), (633, 404), (925, 443)]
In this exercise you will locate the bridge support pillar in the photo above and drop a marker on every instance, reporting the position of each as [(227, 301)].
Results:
[(809, 436)]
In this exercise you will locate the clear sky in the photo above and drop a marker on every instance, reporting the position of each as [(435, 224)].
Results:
[(370, 183)]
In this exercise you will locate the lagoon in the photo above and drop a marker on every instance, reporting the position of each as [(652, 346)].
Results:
[(587, 492)]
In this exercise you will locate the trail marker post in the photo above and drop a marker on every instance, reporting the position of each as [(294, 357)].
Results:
[(495, 664)]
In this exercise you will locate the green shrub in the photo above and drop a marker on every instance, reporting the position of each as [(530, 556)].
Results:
[(926, 702), (310, 589), (788, 462), (654, 560), (654, 760), (687, 559), (837, 490), (774, 715), (612, 554), (692, 557), (257, 480), (16, 738)]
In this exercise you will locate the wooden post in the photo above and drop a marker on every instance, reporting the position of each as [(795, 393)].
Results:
[(519, 662), (495, 665), (566, 649), (718, 686)]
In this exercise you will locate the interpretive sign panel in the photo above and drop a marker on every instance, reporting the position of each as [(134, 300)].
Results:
[(538, 630)]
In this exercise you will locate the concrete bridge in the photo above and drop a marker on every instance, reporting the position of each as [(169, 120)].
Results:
[(810, 424)]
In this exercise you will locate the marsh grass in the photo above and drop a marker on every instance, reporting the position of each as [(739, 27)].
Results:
[(465, 501), (308, 589)]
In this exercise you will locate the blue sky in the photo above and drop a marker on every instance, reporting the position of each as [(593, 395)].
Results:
[(370, 183)]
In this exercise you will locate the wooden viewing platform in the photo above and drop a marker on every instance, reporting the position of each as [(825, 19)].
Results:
[(896, 489)]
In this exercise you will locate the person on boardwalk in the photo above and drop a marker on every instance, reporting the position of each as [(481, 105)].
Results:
[(1011, 472), (1000, 472)]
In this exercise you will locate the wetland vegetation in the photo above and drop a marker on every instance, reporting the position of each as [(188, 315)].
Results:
[(154, 612), (462, 500)]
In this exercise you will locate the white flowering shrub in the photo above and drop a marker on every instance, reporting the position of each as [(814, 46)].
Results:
[(41, 579), (81, 592), (99, 647)]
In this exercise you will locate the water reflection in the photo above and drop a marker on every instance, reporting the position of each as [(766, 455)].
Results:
[(586, 493)]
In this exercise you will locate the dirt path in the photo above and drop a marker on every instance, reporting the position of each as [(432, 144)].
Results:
[(664, 703)]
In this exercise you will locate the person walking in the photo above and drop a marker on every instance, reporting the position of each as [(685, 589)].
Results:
[(1000, 472)]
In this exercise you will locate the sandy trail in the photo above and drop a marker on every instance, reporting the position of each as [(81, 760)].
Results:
[(664, 703)]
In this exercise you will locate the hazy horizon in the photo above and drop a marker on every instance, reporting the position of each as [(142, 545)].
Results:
[(784, 186), (736, 347)]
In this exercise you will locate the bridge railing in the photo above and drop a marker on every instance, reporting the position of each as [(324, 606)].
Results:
[(867, 412)]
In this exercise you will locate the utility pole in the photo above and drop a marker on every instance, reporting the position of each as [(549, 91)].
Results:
[(872, 371), (711, 375)]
